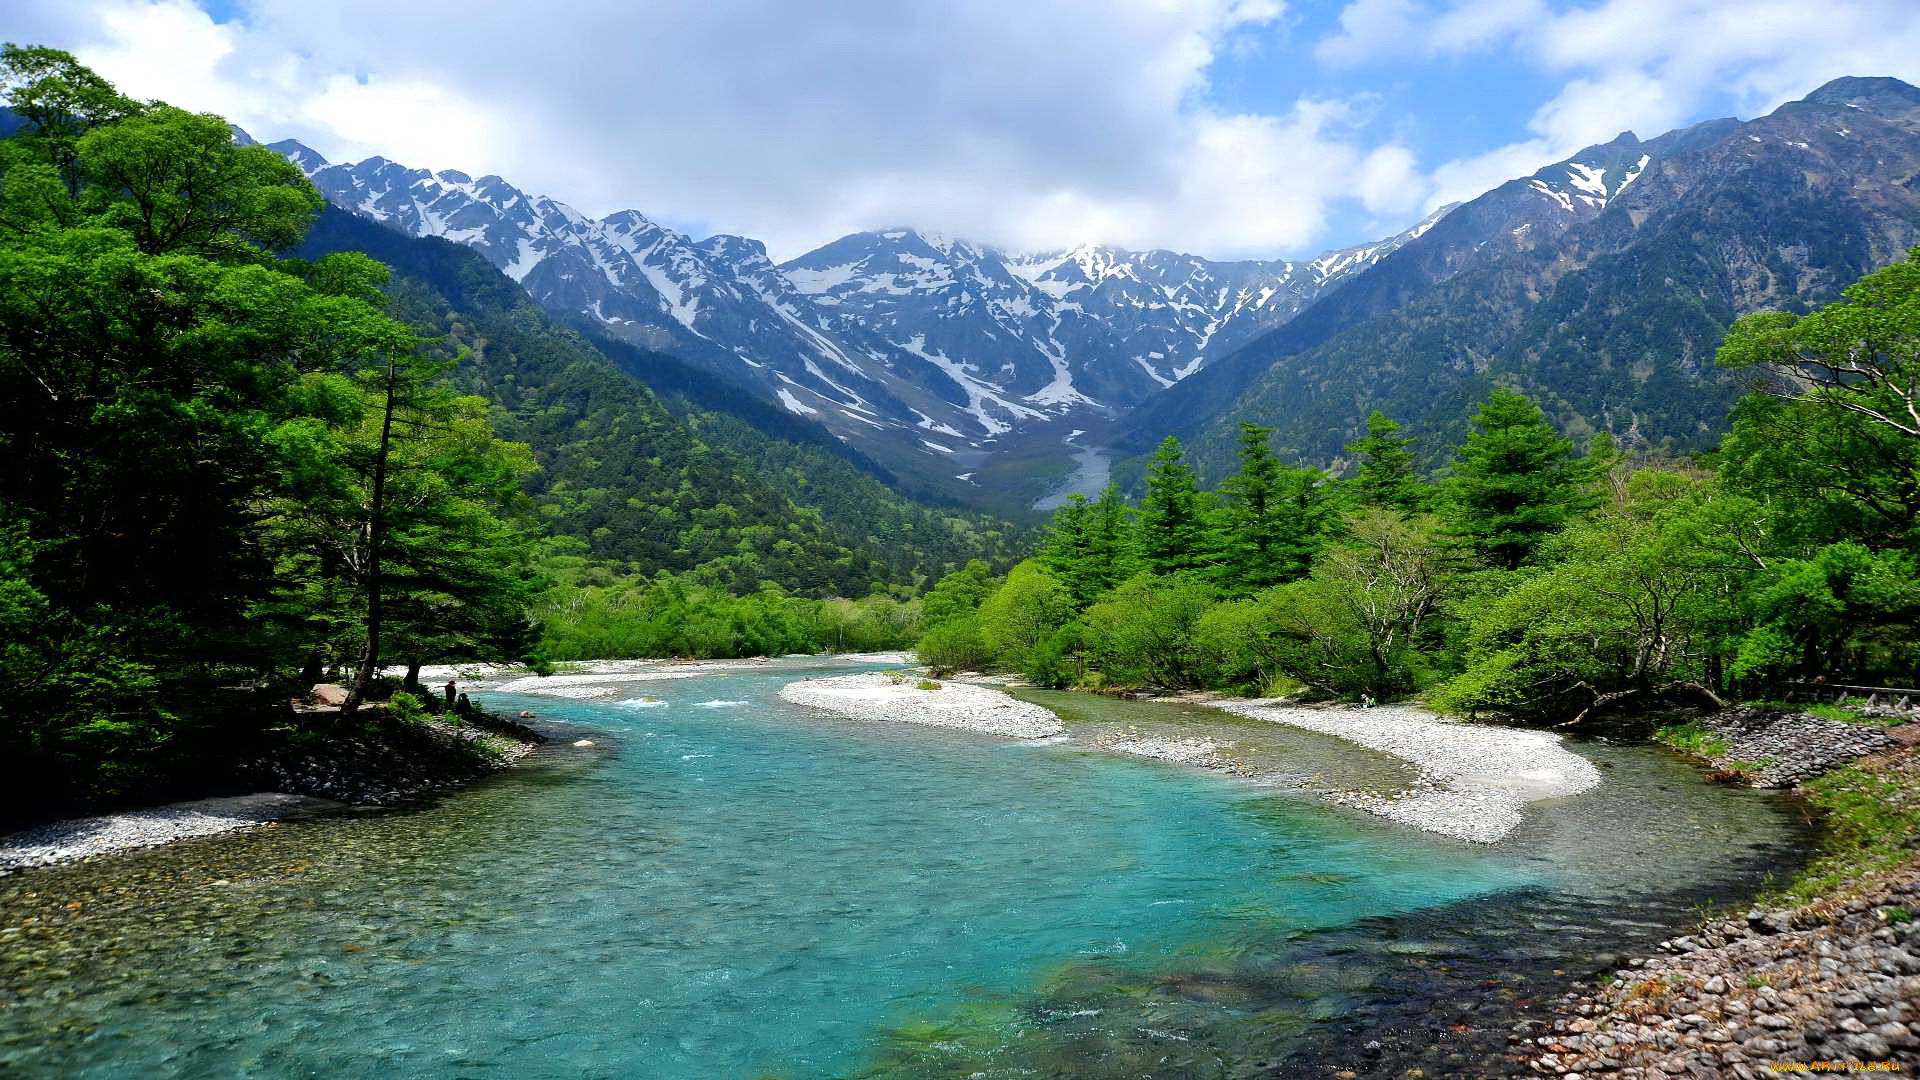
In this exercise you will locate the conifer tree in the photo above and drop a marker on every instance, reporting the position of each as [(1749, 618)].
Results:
[(1384, 476), (1517, 482), (1173, 532), (1113, 543), (1276, 517)]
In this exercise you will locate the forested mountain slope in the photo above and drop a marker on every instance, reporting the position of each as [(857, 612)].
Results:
[(662, 481), (1600, 286)]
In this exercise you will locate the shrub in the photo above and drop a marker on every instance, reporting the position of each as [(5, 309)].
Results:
[(954, 645)]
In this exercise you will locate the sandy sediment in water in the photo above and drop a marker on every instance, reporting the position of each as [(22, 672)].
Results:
[(884, 698)]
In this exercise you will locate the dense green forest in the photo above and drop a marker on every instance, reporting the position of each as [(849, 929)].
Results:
[(1526, 579)]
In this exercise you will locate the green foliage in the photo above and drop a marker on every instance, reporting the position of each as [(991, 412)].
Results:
[(1630, 599), (1276, 518), (594, 612), (1359, 623), (954, 645), (1143, 632), (1026, 611), (1871, 814), (188, 447), (1091, 546), (1691, 738), (406, 708), (1384, 472), (1172, 531), (1516, 482), (959, 593)]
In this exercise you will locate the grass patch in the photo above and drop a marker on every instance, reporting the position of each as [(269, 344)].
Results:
[(1871, 814), (1692, 737), (1844, 712), (926, 684)]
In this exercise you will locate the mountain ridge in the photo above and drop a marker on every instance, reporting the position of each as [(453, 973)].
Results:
[(1606, 308), (982, 349)]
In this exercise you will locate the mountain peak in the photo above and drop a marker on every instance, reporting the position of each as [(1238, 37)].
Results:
[(1887, 98), (305, 157)]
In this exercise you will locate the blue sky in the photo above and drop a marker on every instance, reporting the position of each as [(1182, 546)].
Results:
[(1229, 128)]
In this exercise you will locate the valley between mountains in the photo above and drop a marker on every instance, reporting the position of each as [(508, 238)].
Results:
[(1600, 285)]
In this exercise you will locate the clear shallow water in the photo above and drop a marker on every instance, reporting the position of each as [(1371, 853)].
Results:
[(748, 890)]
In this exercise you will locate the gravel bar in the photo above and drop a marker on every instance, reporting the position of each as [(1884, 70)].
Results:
[(1475, 781), (79, 838), (886, 698)]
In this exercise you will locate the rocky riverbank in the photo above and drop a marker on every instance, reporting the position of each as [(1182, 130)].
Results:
[(1778, 749), (1832, 981), (1198, 752), (379, 765), (1786, 985), (890, 697)]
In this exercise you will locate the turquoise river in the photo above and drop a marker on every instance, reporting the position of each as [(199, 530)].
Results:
[(729, 886)]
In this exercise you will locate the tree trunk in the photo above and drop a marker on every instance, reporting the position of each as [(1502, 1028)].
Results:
[(412, 685), (376, 534)]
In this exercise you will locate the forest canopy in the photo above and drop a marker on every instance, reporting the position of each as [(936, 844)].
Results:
[(1526, 578)]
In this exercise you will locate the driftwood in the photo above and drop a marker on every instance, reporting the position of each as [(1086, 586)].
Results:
[(1608, 700)]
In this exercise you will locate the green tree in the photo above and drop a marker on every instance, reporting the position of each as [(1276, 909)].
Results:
[(1630, 604), (1275, 518), (1028, 608), (1384, 473), (959, 593), (1517, 482), (1173, 533), (1836, 437), (1144, 632)]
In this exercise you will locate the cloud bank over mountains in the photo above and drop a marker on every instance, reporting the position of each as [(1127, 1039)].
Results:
[(1222, 127)]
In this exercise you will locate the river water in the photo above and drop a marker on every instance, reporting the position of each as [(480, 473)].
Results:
[(729, 886)]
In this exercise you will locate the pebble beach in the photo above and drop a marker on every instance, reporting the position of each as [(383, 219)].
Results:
[(1474, 781)]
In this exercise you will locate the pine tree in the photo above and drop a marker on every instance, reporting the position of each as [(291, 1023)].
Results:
[(1385, 477), (1173, 532), (1276, 517), (1517, 482), (1066, 549)]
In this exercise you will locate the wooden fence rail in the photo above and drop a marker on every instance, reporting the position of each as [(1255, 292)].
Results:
[(1900, 699)]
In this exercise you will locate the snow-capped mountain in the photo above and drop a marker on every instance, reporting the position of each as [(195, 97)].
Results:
[(1093, 327), (1168, 314), (893, 339), (718, 302)]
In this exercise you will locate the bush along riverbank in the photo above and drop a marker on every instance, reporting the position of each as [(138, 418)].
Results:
[(1825, 969), (314, 762)]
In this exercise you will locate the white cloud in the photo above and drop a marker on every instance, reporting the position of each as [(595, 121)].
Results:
[(1372, 30), (1023, 122), (1641, 65), (1033, 123), (1390, 182)]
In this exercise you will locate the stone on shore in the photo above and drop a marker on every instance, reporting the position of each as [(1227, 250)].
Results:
[(327, 693)]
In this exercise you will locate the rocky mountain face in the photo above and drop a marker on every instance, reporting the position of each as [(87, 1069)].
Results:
[(1600, 285), (927, 352)]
